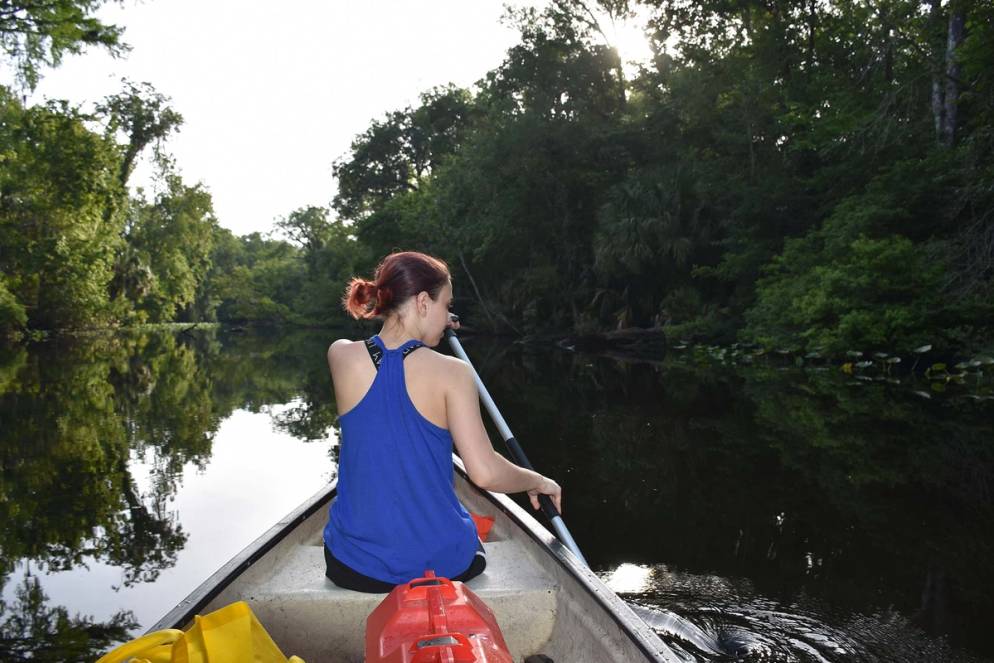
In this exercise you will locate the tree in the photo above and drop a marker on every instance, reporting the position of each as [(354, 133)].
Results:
[(946, 79), (308, 228), (36, 33), (59, 226), (395, 154), (171, 238), (265, 277), (648, 232), (145, 118)]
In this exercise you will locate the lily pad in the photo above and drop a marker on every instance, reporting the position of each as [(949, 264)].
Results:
[(922, 350)]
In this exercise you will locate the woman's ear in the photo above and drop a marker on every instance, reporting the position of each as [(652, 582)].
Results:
[(423, 301)]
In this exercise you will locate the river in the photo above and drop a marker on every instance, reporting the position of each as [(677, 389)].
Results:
[(749, 510)]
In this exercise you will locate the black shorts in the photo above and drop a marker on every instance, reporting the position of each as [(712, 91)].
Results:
[(347, 578)]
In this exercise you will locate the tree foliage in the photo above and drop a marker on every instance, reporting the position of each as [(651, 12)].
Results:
[(168, 248), (57, 183), (798, 173), (144, 117), (37, 33), (813, 174)]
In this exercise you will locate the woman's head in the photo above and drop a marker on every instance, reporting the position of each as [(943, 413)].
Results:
[(398, 278)]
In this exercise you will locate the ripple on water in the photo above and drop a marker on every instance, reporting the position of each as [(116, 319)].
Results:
[(710, 618)]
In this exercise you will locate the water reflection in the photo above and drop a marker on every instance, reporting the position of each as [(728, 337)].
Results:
[(857, 501), (751, 513), (98, 436), (31, 630)]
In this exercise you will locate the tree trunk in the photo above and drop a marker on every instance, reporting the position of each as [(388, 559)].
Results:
[(935, 15), (888, 26), (752, 151), (476, 290), (957, 21)]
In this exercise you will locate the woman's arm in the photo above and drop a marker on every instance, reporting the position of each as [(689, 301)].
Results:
[(486, 468)]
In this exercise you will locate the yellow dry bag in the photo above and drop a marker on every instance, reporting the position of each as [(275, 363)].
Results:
[(231, 634)]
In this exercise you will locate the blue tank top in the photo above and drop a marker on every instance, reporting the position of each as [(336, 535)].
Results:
[(396, 513)]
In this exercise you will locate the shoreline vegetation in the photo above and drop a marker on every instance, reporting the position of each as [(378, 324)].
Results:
[(815, 178), (923, 371)]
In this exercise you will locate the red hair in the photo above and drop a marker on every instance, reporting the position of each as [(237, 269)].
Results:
[(398, 277)]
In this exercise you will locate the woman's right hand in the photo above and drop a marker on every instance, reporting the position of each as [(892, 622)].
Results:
[(547, 487)]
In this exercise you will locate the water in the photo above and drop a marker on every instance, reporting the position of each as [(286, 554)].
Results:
[(748, 513)]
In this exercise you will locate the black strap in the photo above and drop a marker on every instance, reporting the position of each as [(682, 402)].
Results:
[(376, 352)]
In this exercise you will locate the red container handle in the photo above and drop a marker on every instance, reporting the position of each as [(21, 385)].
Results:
[(429, 648), (417, 588)]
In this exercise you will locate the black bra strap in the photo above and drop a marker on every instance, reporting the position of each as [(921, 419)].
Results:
[(376, 352)]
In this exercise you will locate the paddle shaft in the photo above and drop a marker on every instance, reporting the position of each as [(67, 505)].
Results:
[(517, 453)]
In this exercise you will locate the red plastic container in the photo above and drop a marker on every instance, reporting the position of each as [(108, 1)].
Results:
[(434, 620)]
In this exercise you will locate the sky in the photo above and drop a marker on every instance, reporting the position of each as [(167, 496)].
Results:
[(272, 93)]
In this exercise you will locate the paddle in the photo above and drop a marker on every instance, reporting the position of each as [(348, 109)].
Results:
[(517, 453)]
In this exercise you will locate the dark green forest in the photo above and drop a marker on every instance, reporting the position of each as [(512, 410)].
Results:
[(803, 174)]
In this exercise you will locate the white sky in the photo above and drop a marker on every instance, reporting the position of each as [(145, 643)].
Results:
[(272, 93)]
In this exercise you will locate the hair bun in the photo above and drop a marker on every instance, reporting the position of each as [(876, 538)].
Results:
[(360, 298)]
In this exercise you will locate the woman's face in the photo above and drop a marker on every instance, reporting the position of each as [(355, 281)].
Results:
[(438, 315)]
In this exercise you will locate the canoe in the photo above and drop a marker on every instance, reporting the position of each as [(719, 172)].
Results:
[(545, 600)]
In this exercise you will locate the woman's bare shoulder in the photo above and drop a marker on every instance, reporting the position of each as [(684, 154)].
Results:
[(451, 370), (344, 350)]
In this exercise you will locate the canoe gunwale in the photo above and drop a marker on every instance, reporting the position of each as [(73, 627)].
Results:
[(637, 630), (193, 604)]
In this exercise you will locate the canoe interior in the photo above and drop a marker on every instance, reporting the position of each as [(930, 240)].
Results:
[(545, 601)]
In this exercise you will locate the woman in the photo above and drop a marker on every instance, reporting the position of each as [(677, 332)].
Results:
[(401, 407)]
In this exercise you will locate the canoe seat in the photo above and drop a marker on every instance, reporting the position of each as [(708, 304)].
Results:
[(520, 593)]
